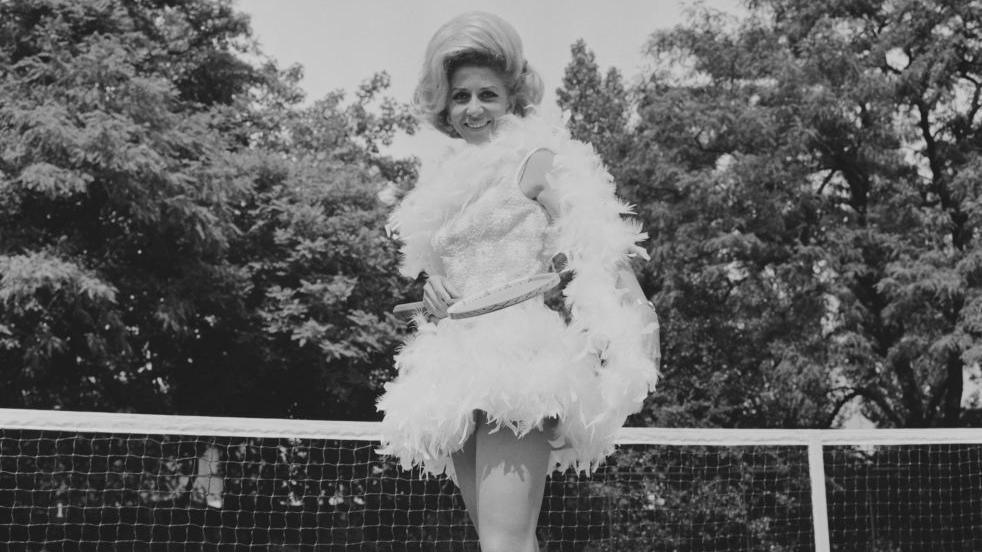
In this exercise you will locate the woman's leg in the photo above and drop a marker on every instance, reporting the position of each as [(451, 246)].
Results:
[(511, 478), (463, 466)]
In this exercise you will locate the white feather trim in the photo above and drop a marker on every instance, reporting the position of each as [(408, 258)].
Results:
[(522, 365)]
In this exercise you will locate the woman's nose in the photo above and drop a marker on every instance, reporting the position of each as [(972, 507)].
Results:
[(474, 107)]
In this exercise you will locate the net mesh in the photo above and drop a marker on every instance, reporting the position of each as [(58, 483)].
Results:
[(121, 492), (905, 498), (150, 490), (674, 498)]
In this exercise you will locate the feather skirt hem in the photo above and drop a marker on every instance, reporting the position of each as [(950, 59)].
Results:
[(520, 366)]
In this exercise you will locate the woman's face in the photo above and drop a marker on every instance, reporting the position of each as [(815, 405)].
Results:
[(478, 98)]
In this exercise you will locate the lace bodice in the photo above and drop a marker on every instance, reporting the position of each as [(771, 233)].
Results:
[(499, 235)]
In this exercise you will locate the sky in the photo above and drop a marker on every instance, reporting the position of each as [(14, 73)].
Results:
[(341, 43)]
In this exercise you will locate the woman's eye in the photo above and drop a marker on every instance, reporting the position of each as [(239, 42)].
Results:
[(488, 95), (460, 97)]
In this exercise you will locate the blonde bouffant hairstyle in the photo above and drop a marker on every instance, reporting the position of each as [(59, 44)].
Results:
[(481, 39)]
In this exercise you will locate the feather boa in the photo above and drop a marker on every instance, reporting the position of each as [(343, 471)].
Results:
[(589, 230)]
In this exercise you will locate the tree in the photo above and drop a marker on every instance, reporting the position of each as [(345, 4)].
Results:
[(810, 178), (117, 194), (176, 233), (598, 107), (323, 269)]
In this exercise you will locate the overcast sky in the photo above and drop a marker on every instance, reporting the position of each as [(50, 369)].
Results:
[(341, 43)]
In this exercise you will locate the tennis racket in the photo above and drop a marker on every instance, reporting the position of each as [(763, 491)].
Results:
[(493, 299)]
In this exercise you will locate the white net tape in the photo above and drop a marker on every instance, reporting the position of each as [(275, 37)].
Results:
[(114, 482)]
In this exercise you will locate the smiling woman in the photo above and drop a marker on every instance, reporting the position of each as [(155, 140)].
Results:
[(500, 400)]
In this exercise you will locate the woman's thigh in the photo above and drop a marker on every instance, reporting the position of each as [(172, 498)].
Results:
[(511, 476), (463, 466)]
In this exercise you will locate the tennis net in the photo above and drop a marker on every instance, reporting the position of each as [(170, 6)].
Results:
[(123, 482)]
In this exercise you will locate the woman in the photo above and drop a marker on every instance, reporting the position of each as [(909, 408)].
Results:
[(500, 400)]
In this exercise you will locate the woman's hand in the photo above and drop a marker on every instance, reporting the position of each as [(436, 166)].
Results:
[(438, 294)]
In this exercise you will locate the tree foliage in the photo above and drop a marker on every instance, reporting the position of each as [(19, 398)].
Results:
[(597, 106), (318, 253), (177, 233), (116, 193), (809, 177)]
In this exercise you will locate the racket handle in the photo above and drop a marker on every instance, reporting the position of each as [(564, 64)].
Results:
[(408, 309)]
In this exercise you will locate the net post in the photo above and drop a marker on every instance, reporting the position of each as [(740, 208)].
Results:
[(820, 518)]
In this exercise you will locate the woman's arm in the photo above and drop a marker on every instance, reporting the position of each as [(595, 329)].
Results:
[(535, 185)]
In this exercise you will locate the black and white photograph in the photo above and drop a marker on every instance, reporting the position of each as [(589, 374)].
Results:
[(490, 276)]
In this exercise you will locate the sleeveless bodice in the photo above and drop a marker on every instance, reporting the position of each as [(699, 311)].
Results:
[(497, 236)]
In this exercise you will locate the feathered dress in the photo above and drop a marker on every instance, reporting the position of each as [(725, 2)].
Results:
[(468, 219)]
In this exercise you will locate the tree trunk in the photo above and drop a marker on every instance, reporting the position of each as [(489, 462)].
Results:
[(952, 405)]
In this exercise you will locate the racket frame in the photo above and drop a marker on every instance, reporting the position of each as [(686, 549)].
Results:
[(539, 284)]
